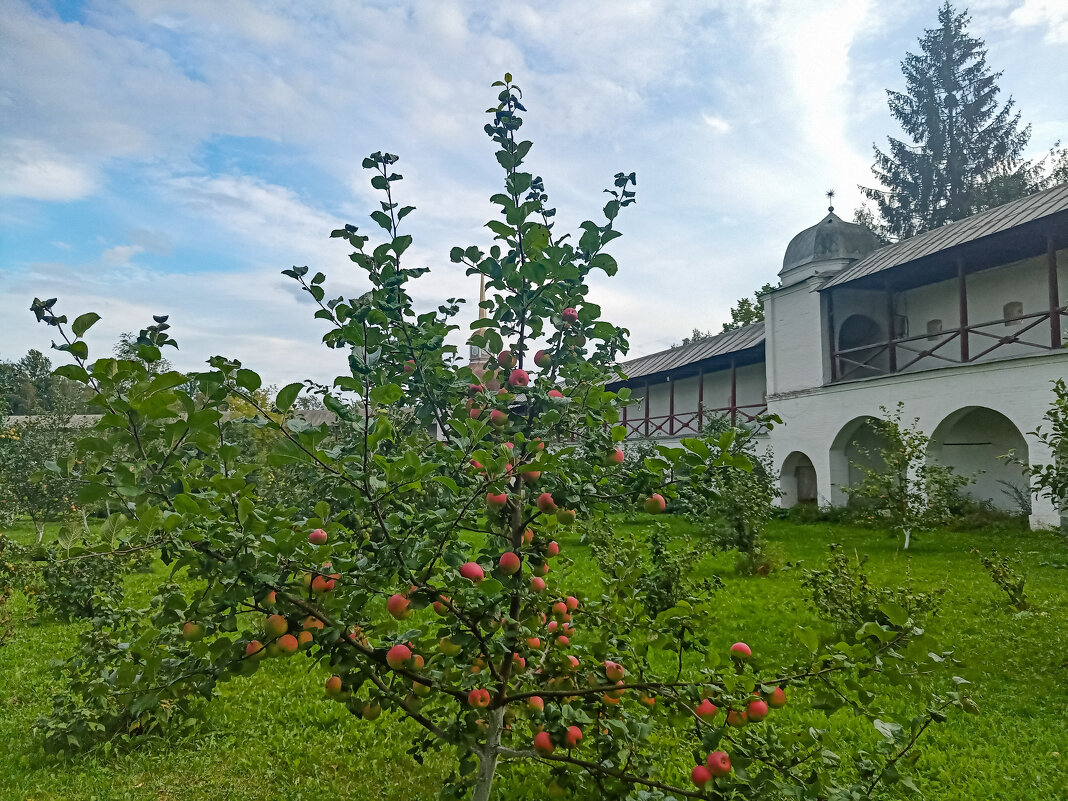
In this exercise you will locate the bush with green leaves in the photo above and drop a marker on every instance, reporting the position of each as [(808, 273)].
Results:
[(1006, 575), (424, 580), (732, 497), (1050, 480), (901, 488), (842, 594)]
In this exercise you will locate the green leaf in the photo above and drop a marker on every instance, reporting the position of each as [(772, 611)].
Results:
[(894, 613), (808, 638), (401, 243), (248, 379), (386, 394), (83, 323), (602, 261), (287, 396)]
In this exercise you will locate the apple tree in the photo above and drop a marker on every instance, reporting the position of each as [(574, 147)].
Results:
[(427, 583)]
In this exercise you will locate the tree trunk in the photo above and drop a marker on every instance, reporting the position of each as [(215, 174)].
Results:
[(39, 526), (908, 536), (487, 765)]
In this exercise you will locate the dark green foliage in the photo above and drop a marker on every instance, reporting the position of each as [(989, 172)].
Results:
[(842, 594), (962, 151), (747, 311), (1005, 573), (1051, 479)]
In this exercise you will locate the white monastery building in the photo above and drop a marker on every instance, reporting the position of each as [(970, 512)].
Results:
[(964, 325)]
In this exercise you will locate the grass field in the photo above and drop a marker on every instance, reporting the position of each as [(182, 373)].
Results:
[(274, 737)]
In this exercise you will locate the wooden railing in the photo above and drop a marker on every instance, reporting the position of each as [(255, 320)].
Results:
[(688, 423), (854, 362)]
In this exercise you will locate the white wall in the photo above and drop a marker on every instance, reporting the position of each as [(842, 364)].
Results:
[(795, 342), (1019, 389)]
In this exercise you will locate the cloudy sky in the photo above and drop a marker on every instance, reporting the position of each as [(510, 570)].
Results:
[(172, 156)]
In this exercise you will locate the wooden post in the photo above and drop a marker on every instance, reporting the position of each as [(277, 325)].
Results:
[(734, 392), (671, 406), (890, 321), (647, 407), (625, 419), (1054, 296), (830, 334), (962, 292), (700, 398)]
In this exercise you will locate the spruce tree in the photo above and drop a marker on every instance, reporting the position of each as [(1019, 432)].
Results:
[(963, 150)]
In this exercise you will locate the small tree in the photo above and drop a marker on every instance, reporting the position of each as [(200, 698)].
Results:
[(901, 486), (1051, 480), (422, 580)]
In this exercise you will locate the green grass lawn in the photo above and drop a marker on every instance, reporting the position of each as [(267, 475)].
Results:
[(273, 736)]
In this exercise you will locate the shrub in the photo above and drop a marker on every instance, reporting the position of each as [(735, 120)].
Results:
[(1006, 576), (842, 594)]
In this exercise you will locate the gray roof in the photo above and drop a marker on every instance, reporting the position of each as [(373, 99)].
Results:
[(830, 238), (749, 336), (1026, 209)]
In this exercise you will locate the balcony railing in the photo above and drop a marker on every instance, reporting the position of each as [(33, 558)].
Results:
[(689, 423), (900, 353)]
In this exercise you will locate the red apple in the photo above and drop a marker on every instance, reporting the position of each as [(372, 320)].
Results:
[(370, 711), (757, 709), (530, 476), (498, 418), (333, 685), (474, 412), (535, 703), (555, 393), (569, 315), (305, 640), (509, 563), (552, 549), (700, 775), (777, 698), (719, 764), (318, 537), (479, 698), (574, 662), (409, 366), (616, 456), (505, 358), (741, 651), (276, 626), (518, 378), (573, 736), (565, 517), (706, 710), (543, 743), (560, 610), (322, 584), (534, 642), (398, 606), (255, 650), (572, 603), (288, 644), (736, 718), (398, 656), (472, 571), (496, 500), (539, 568), (613, 670), (310, 623), (271, 598), (648, 700), (528, 536), (542, 359), (537, 584), (655, 504), (546, 504)]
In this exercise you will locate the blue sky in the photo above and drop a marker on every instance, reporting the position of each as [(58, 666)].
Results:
[(172, 156)]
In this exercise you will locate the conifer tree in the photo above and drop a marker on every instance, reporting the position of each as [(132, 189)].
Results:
[(963, 150)]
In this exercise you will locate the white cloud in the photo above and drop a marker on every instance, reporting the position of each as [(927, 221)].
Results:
[(1052, 15), (31, 169)]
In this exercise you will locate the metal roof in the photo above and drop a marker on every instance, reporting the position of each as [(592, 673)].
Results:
[(720, 345), (1026, 209)]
